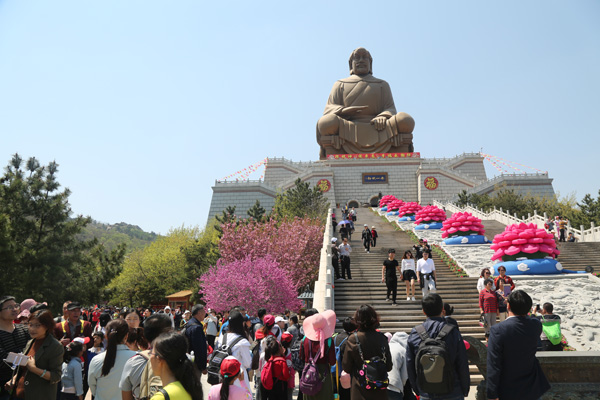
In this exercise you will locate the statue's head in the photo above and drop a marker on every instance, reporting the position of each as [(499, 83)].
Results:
[(360, 62)]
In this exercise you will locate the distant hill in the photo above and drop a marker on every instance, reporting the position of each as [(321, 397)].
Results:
[(112, 235)]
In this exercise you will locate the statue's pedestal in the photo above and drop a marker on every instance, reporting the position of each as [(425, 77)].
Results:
[(358, 179)]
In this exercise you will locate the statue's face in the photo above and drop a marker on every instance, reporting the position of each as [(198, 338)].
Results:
[(361, 64)]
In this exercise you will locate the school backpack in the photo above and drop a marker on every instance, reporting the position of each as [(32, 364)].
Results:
[(297, 363), (551, 329), (150, 384), (218, 355), (255, 351), (338, 355), (311, 381), (373, 374), (267, 375), (435, 372)]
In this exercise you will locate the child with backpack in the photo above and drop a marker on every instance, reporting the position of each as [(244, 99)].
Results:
[(286, 341), (72, 372), (231, 371), (275, 372), (318, 352)]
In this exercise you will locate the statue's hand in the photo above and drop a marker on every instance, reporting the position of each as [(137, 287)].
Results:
[(379, 122), (353, 110)]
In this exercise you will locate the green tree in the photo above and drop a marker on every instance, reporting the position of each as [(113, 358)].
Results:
[(40, 254), (41, 232), (168, 265), (301, 201), (256, 212), (227, 217), (590, 208)]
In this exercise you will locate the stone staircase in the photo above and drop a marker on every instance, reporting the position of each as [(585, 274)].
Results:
[(366, 287), (576, 256)]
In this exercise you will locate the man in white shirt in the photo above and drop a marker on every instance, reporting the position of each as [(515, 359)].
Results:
[(426, 274), (345, 251)]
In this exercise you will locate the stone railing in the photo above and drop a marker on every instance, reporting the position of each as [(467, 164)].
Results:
[(582, 234), (295, 164), (323, 295)]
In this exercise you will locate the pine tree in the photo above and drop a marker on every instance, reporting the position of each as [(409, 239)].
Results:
[(256, 212)]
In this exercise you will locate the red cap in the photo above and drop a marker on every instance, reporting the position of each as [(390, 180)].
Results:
[(286, 337), (269, 320), (230, 366)]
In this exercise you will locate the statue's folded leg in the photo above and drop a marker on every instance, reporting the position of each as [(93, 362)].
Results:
[(328, 124), (404, 122)]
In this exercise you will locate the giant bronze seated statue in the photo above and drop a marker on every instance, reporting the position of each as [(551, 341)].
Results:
[(360, 116)]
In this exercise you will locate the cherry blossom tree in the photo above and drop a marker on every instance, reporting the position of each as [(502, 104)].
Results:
[(295, 244), (251, 283)]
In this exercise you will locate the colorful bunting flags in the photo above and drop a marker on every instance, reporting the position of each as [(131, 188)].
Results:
[(244, 173)]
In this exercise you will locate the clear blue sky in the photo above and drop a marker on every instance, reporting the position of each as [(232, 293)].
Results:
[(145, 103)]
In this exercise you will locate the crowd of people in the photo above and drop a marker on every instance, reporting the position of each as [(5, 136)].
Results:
[(128, 354)]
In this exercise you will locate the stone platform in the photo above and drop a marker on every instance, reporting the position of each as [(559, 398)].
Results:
[(358, 181)]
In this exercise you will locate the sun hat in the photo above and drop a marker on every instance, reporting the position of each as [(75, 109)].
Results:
[(319, 327), (373, 227), (269, 320), (230, 366), (25, 306), (366, 225)]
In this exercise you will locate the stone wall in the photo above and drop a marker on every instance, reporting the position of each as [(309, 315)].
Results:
[(241, 194)]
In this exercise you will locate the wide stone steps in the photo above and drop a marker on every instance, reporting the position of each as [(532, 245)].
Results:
[(366, 287)]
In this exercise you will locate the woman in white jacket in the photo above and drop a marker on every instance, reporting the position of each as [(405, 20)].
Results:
[(241, 350)]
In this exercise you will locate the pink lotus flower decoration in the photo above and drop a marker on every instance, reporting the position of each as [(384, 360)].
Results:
[(387, 199), (408, 209), (462, 224), (523, 241), (430, 214), (395, 205)]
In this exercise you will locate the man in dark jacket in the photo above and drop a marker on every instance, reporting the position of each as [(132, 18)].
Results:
[(455, 347), (194, 331), (513, 370), (366, 238)]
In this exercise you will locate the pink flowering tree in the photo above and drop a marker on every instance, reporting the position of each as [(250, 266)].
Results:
[(251, 283), (295, 244)]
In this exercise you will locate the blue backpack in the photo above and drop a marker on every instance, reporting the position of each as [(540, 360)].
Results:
[(338, 355)]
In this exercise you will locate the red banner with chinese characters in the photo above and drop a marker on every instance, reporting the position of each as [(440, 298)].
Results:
[(372, 156)]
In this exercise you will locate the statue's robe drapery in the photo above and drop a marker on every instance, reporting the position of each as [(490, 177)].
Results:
[(356, 133)]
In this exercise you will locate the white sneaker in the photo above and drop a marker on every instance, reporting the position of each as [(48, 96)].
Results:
[(413, 298), (408, 299)]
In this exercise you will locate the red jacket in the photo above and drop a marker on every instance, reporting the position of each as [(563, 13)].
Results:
[(488, 301)]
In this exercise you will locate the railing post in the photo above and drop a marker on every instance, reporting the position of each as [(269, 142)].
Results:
[(545, 216), (593, 228), (582, 238), (528, 216)]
